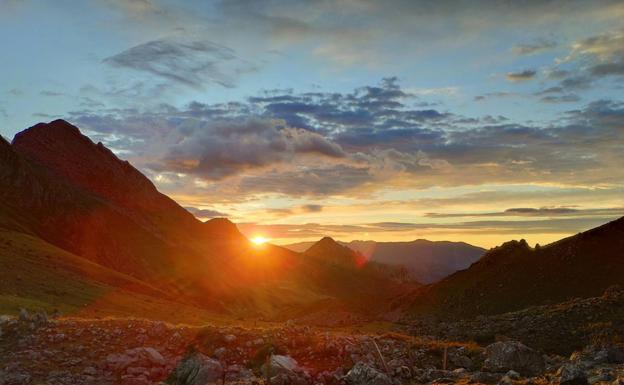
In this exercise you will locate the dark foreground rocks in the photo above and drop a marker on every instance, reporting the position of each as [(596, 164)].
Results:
[(35, 349)]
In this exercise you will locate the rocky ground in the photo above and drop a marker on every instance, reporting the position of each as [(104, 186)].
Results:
[(37, 350), (559, 328)]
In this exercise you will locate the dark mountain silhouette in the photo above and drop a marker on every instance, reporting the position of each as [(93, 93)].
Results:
[(515, 276), (63, 190), (331, 251), (345, 275), (426, 261)]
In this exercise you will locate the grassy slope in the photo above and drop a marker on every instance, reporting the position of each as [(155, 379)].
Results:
[(37, 275)]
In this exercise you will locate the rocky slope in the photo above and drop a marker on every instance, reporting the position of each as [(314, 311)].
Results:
[(38, 350), (515, 276), (557, 328)]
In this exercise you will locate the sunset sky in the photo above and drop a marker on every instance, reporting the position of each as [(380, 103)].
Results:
[(477, 121)]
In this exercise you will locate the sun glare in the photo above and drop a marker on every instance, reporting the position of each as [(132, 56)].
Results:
[(259, 240)]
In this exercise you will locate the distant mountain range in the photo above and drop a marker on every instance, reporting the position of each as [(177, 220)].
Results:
[(426, 261)]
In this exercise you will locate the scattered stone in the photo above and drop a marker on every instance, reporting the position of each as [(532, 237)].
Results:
[(363, 374), (571, 374), (282, 364), (220, 352), (23, 315), (512, 355), (197, 369)]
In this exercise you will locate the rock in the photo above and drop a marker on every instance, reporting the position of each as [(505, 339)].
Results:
[(512, 355), (363, 374), (23, 315), (229, 338), (461, 361), (403, 372), (282, 364), (196, 369), (601, 377), (90, 371), (485, 378), (513, 375), (571, 374), (219, 352), (288, 379)]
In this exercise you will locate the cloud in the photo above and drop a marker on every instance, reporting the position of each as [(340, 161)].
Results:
[(193, 64), (51, 93), (569, 98), (355, 143), (220, 149), (206, 213), (521, 76), (536, 47), (489, 95), (357, 231), (535, 212), (312, 208)]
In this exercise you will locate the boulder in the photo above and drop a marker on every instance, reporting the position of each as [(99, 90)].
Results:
[(571, 374), (282, 364), (363, 374), (196, 369), (484, 378), (23, 315), (502, 357)]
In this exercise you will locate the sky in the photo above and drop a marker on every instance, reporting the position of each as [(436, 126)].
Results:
[(393, 120)]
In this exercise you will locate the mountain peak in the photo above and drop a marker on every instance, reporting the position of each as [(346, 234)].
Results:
[(61, 147), (222, 227), (55, 130), (328, 249)]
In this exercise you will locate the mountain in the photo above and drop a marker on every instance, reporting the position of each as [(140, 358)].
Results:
[(349, 280), (331, 251), (66, 193), (514, 276), (426, 261)]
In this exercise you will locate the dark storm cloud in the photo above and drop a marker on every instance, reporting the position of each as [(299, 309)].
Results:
[(521, 76), (193, 64)]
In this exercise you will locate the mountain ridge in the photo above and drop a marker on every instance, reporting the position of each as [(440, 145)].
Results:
[(514, 276)]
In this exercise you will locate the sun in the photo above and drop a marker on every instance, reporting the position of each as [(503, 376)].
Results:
[(259, 240)]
